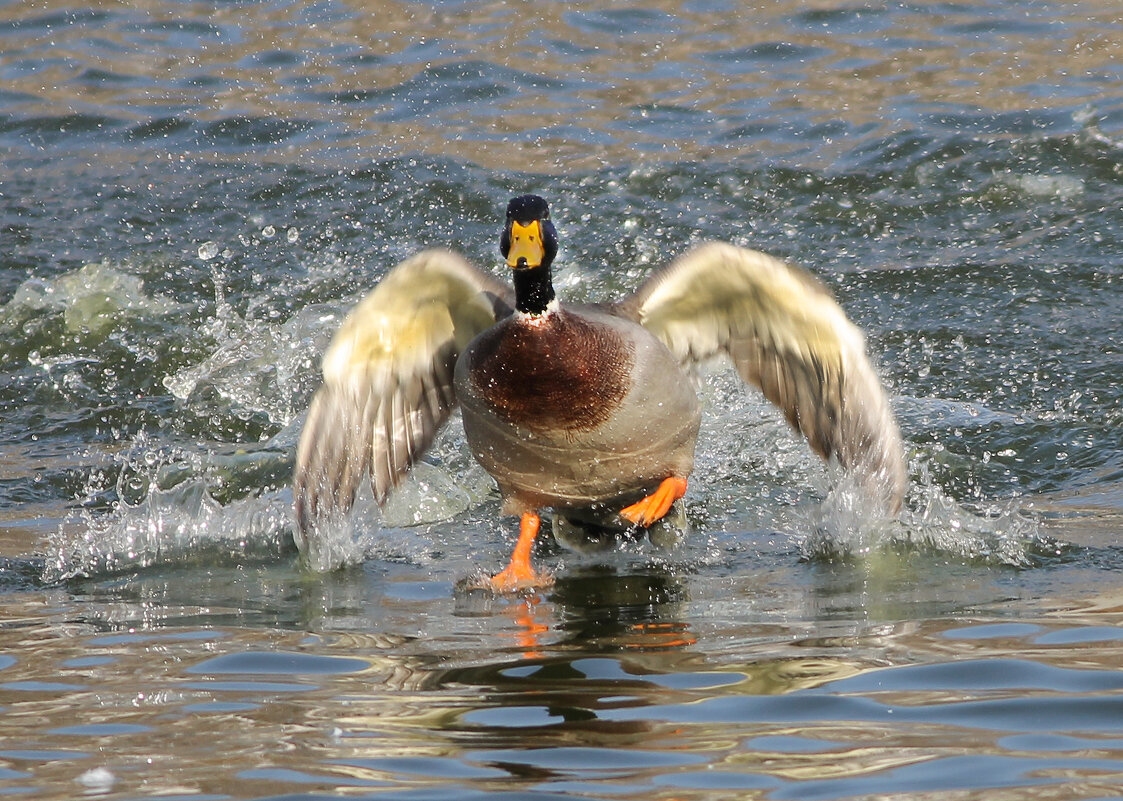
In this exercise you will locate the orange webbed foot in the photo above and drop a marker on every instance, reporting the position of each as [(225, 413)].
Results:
[(656, 505), (510, 580), (519, 573)]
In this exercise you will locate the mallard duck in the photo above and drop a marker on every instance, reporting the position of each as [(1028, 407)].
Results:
[(581, 409)]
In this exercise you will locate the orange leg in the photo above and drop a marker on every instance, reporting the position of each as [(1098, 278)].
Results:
[(519, 574), (657, 504)]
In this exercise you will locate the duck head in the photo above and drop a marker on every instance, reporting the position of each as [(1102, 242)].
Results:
[(529, 243)]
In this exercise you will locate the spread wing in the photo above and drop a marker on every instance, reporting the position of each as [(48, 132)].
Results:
[(790, 338), (388, 380)]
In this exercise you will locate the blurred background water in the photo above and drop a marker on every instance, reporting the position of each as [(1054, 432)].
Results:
[(193, 194)]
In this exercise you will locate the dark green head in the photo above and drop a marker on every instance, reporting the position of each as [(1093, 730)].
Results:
[(529, 238)]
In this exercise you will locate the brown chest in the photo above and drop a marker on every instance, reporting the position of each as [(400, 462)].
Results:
[(561, 374)]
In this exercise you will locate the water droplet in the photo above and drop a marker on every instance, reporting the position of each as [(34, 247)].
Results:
[(208, 250), (293, 234), (269, 232), (98, 780)]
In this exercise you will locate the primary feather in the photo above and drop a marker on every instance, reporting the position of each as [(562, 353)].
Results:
[(388, 380), (787, 336)]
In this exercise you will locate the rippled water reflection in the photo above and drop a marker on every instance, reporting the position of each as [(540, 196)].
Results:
[(193, 194), (633, 683)]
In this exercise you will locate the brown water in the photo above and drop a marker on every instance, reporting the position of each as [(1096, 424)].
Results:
[(192, 194)]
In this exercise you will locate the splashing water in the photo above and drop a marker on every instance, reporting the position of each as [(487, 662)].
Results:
[(1000, 534), (166, 512), (91, 300), (176, 506)]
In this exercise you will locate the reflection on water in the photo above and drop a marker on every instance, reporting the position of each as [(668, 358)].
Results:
[(615, 683)]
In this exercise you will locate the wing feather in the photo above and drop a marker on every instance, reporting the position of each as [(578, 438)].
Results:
[(388, 380), (788, 336)]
